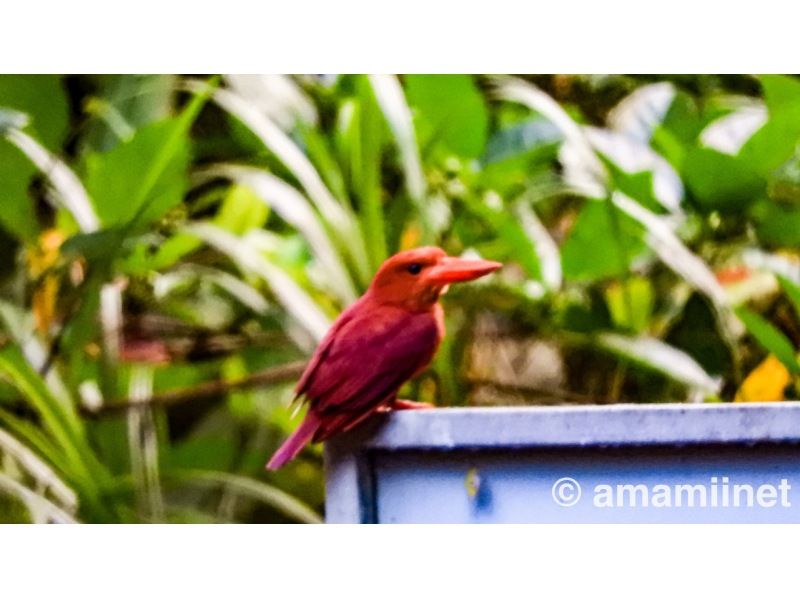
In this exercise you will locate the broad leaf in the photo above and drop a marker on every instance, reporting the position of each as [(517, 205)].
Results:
[(42, 99), (115, 179), (451, 111), (602, 243), (776, 141), (721, 182)]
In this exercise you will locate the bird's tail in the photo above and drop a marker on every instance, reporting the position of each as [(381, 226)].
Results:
[(295, 443)]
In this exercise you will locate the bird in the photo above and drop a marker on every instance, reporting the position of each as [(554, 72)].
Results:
[(388, 336)]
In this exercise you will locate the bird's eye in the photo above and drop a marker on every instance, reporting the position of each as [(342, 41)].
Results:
[(415, 268)]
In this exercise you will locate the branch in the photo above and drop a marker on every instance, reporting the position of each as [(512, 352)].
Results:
[(273, 375)]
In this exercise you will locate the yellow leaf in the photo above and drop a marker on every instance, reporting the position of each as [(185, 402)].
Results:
[(41, 259), (411, 236), (765, 383)]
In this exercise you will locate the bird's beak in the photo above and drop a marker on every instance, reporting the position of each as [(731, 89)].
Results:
[(456, 269)]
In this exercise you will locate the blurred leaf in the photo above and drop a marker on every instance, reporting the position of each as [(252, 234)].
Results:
[(366, 146), (766, 383), (543, 244), (294, 299), (132, 99), (672, 251), (601, 243), (775, 142), (729, 133), (339, 219), (295, 210), (269, 495), (776, 224), (42, 99), (42, 510), (44, 476), (520, 246), (521, 139), (69, 189), (116, 179), (582, 168), (637, 185), (241, 210), (627, 161), (390, 98), (721, 182), (769, 337), (639, 113), (657, 355), (630, 303), (451, 110), (11, 119)]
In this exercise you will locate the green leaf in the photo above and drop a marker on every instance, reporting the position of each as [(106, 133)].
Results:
[(638, 185), (116, 179), (255, 489), (601, 243), (769, 337), (721, 182), (507, 227), (60, 420), (42, 99), (630, 303), (392, 102), (369, 134), (776, 224), (657, 355), (775, 142), (451, 111), (241, 210)]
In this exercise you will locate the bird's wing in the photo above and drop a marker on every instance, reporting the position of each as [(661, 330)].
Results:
[(369, 358), (323, 348)]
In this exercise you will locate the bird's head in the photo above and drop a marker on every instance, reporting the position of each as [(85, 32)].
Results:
[(415, 278)]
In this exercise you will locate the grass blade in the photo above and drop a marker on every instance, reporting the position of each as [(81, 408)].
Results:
[(143, 446), (276, 141), (545, 246), (295, 209), (671, 250), (68, 187), (45, 477), (41, 509), (657, 355), (265, 493), (291, 296), (392, 102)]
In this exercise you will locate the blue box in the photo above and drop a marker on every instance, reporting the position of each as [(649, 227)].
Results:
[(597, 464)]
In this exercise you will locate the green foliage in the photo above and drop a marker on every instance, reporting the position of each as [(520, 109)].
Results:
[(114, 179), (42, 100), (178, 233), (770, 338), (451, 112), (721, 182), (602, 243)]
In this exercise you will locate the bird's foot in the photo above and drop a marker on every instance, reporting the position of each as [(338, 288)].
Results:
[(402, 405)]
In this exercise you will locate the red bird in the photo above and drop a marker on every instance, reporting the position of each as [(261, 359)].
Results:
[(384, 339)]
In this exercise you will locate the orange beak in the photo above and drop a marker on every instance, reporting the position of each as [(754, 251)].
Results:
[(456, 269)]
